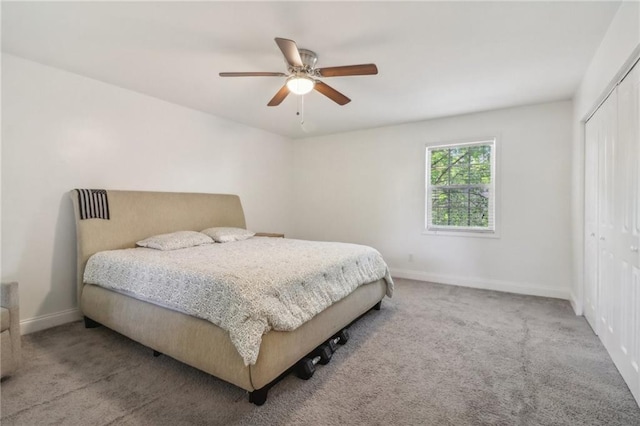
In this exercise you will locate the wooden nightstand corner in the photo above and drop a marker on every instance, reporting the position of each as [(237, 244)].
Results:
[(269, 234)]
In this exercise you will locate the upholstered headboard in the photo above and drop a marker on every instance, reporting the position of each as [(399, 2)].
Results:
[(134, 215)]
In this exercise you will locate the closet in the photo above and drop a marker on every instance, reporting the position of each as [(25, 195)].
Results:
[(612, 226)]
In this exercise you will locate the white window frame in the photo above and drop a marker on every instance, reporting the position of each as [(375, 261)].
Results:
[(493, 232)]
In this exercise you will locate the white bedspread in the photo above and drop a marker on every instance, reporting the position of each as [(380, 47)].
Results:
[(245, 287)]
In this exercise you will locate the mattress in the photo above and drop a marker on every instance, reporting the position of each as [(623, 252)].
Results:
[(246, 287)]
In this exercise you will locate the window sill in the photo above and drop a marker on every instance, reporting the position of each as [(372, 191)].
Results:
[(461, 233)]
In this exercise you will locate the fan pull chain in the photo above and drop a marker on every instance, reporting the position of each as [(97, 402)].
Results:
[(300, 111)]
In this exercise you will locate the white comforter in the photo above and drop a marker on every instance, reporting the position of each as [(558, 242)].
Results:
[(245, 287)]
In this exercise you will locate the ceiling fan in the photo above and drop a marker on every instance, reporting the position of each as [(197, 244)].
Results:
[(302, 75)]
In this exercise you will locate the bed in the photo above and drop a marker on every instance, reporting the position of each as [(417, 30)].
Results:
[(118, 219)]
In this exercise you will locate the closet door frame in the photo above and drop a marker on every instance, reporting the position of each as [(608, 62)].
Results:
[(591, 288)]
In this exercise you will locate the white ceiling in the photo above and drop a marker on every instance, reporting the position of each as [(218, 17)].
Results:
[(435, 59)]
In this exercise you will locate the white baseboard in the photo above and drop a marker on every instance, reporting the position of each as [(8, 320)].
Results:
[(486, 284), (43, 322), (575, 304)]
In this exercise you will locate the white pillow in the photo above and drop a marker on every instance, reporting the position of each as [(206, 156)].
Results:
[(175, 240), (227, 235)]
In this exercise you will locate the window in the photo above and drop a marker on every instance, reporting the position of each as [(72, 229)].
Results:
[(460, 186)]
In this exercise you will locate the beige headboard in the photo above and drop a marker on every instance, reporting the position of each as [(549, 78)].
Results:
[(135, 215)]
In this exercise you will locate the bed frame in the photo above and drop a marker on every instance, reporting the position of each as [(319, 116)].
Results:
[(135, 215)]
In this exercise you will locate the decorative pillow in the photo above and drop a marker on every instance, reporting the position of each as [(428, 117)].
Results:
[(175, 240), (226, 235)]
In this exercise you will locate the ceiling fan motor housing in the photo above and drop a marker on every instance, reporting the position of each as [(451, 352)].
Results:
[(309, 58)]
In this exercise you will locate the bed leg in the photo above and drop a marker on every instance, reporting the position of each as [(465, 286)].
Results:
[(259, 396), (89, 323), (377, 306)]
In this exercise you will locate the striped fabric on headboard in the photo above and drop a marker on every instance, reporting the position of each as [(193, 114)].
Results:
[(93, 204)]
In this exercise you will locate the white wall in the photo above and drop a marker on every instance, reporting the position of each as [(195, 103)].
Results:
[(62, 131), (368, 187), (619, 48)]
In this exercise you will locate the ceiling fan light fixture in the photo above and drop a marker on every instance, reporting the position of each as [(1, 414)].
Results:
[(300, 85)]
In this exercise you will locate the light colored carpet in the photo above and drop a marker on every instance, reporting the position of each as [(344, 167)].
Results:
[(434, 355)]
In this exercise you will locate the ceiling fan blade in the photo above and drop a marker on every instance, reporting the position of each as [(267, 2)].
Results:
[(252, 74), (279, 97), (331, 93), (364, 69), (290, 51)]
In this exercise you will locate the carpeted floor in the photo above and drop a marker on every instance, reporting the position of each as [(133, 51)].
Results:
[(434, 355)]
